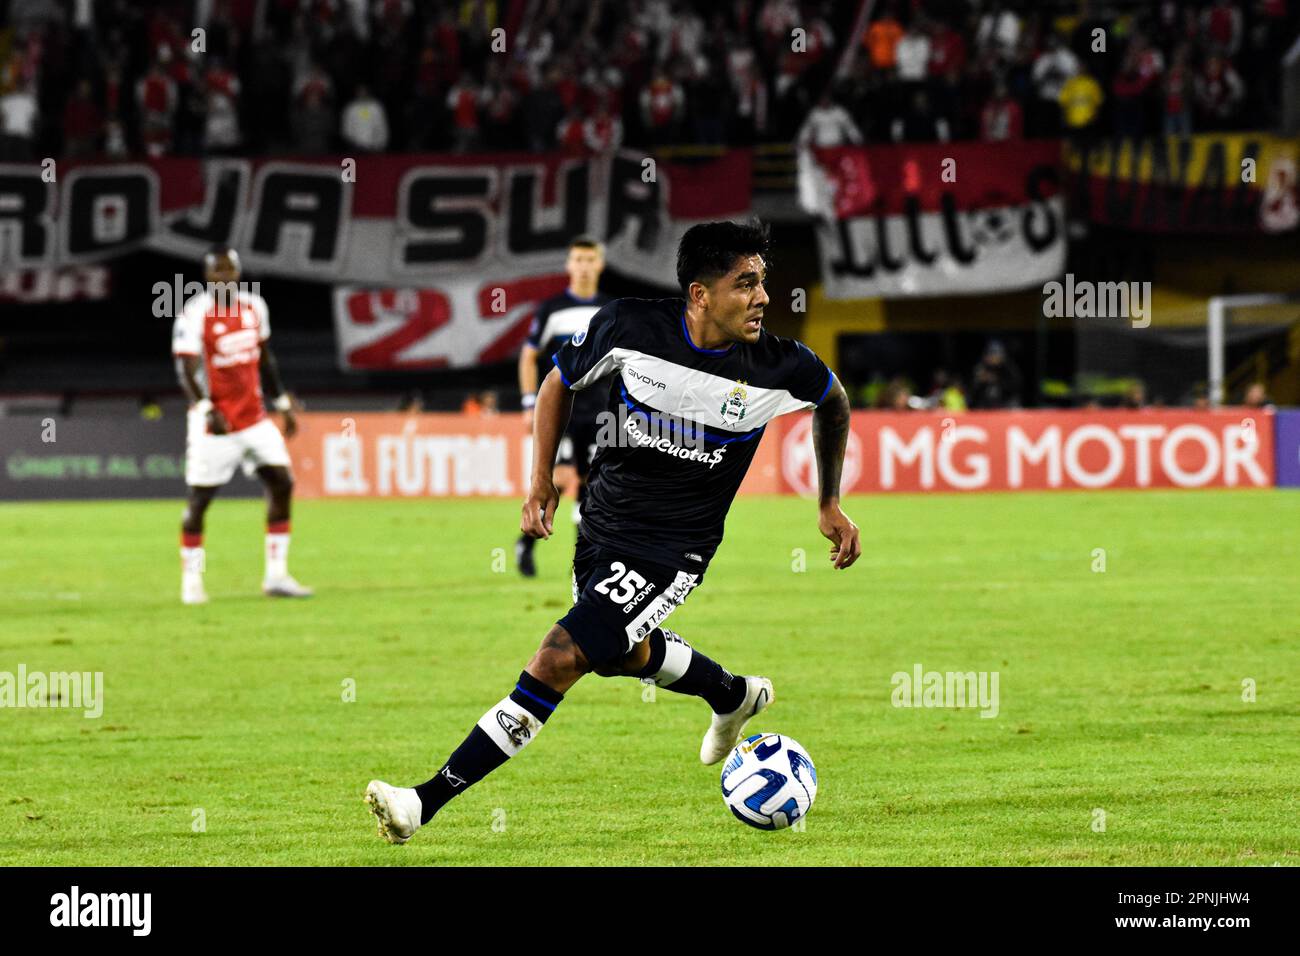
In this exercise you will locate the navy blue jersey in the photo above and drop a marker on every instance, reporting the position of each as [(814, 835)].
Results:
[(557, 320), (683, 427)]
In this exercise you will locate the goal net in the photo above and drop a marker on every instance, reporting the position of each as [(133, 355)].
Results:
[(1218, 351)]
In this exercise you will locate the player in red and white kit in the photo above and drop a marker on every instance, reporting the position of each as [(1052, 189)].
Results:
[(219, 342)]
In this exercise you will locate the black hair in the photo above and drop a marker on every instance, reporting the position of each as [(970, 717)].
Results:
[(584, 242), (709, 250)]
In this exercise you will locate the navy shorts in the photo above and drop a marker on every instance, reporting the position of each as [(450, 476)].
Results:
[(618, 599)]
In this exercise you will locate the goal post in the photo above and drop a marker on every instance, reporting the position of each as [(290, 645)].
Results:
[(1273, 313), (1198, 352)]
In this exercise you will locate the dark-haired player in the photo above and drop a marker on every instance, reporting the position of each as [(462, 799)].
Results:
[(655, 509), (220, 345), (556, 321)]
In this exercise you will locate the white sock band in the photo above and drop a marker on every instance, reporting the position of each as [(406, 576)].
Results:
[(677, 658), (511, 727)]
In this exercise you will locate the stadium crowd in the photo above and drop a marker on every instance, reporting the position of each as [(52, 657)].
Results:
[(123, 78), (116, 78), (113, 78), (1002, 71)]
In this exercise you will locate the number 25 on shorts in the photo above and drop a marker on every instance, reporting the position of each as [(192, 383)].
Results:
[(630, 583)]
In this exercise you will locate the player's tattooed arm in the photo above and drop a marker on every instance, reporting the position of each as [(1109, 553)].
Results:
[(550, 415), (830, 438), (283, 400), (187, 373)]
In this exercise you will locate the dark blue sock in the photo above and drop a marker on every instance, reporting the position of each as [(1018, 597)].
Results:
[(680, 668), (500, 734)]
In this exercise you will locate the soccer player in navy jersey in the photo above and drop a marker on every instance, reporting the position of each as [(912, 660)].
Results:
[(556, 321), (696, 382)]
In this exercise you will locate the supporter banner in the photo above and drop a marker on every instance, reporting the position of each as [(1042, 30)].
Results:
[(52, 457), (438, 258), (936, 219), (42, 286), (1288, 449), (396, 221), (1207, 183), (389, 454), (460, 321), (1008, 451)]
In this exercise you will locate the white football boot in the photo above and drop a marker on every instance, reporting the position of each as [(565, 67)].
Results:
[(724, 733), (396, 808), (285, 587), (192, 591)]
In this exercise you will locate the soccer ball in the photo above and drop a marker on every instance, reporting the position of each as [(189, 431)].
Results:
[(769, 781)]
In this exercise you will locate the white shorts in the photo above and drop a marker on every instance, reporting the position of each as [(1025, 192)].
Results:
[(211, 460)]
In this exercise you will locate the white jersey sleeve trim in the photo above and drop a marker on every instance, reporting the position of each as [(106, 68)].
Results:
[(187, 330)]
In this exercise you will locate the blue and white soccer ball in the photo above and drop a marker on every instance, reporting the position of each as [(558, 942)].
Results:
[(769, 781)]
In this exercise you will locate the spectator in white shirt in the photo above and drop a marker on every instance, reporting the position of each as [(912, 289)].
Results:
[(749, 115), (828, 124), (1054, 67), (1056, 64), (998, 31), (221, 124), (365, 124), (18, 114), (912, 54)]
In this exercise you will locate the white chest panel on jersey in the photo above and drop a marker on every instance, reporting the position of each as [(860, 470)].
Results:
[(566, 321), (694, 394)]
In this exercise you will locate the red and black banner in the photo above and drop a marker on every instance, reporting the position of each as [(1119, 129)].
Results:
[(436, 260), (1213, 183), (936, 218)]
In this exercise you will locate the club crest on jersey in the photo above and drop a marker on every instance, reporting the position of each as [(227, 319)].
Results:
[(579, 337), (733, 405)]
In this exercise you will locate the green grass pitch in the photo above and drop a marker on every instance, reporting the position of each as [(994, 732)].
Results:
[(226, 739)]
